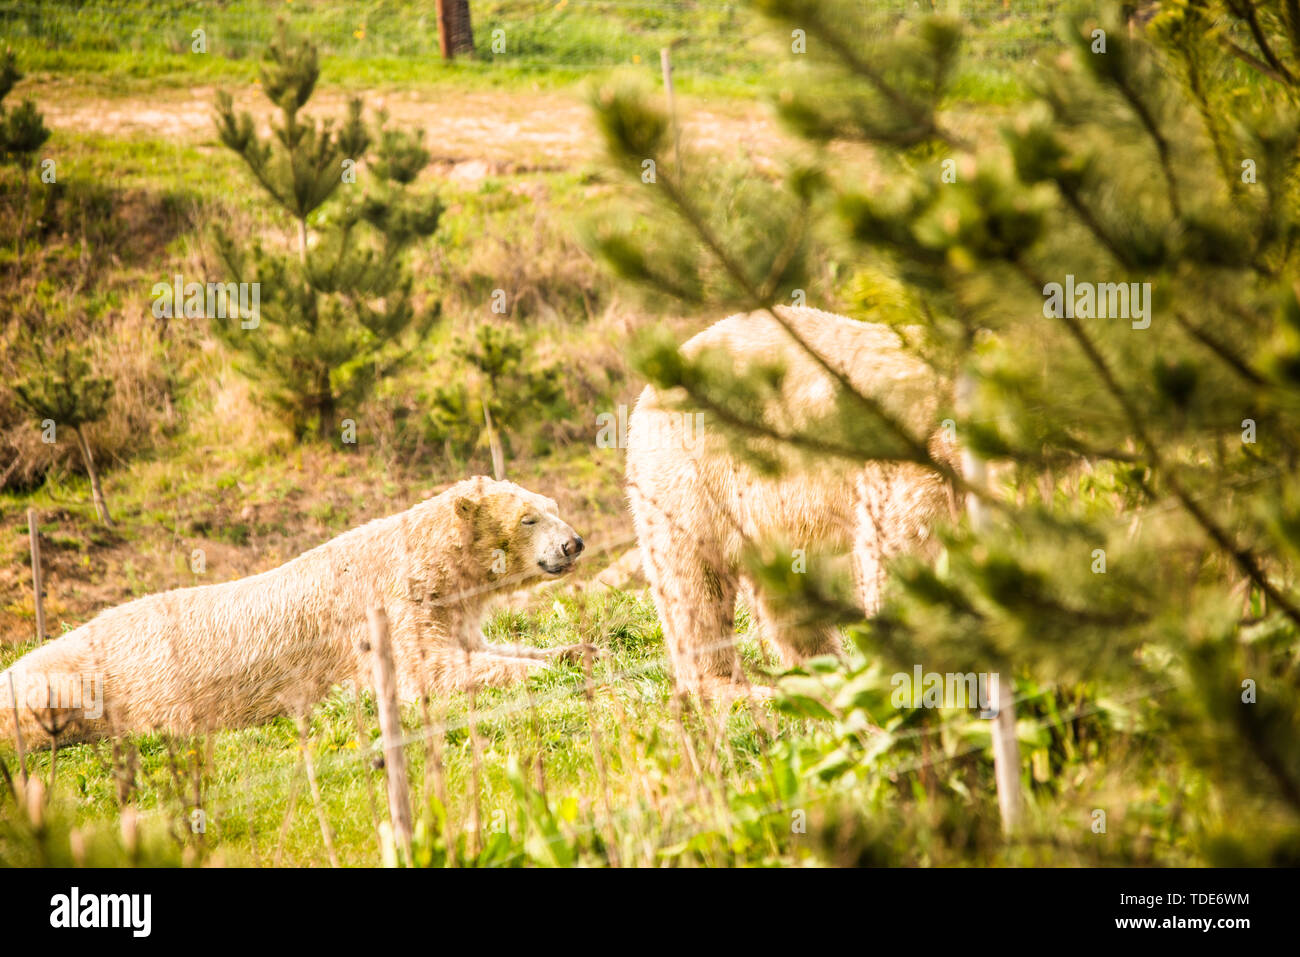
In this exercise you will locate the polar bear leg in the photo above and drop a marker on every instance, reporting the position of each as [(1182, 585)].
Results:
[(696, 599), (793, 640)]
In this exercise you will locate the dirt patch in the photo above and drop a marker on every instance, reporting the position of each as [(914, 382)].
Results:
[(506, 130)]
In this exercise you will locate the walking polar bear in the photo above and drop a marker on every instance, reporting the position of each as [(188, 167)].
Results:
[(239, 653), (697, 504)]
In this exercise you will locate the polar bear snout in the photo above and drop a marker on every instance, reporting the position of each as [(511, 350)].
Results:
[(561, 550)]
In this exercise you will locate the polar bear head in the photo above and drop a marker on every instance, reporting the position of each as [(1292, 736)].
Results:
[(520, 531)]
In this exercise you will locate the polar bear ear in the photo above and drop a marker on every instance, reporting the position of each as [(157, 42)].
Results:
[(466, 507)]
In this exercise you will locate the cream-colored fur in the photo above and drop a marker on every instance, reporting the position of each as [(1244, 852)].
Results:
[(696, 503), (238, 653)]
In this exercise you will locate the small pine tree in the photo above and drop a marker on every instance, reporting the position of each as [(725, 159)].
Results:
[(65, 393), (507, 381), (22, 133), (335, 315)]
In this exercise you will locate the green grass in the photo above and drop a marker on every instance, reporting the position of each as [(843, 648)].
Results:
[(247, 777), (720, 48), (747, 785)]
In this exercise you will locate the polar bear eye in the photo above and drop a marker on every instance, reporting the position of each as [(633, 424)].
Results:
[(529, 520)]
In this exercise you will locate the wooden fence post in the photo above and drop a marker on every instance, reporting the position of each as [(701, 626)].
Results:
[(1006, 757), (390, 728), (1006, 747), (666, 62), (18, 730), (38, 582)]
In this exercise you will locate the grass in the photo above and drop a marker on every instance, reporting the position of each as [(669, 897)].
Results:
[(625, 777), (247, 775), (720, 48)]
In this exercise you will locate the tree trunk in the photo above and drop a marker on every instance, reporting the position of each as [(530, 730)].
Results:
[(326, 427), (444, 30), (461, 31), (494, 445), (22, 223), (96, 492), (302, 241)]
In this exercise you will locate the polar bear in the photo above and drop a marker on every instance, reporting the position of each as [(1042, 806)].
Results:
[(697, 504), (238, 653)]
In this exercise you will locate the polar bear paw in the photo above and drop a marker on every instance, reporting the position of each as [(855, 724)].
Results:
[(574, 654)]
